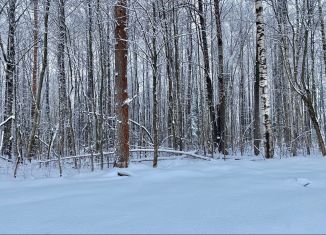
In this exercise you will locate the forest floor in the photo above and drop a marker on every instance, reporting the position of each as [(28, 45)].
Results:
[(181, 196)]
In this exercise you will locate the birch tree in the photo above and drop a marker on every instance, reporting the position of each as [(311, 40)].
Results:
[(263, 80)]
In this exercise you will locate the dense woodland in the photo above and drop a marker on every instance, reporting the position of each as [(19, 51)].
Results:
[(97, 78)]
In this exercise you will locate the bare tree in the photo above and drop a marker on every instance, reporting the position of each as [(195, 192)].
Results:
[(37, 111), (208, 80)]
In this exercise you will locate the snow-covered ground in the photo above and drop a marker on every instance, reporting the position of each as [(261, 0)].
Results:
[(181, 196)]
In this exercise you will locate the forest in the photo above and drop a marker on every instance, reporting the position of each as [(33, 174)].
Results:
[(104, 81), (162, 117)]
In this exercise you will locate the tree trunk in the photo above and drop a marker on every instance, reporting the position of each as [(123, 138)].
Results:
[(257, 133), (322, 31), (9, 81), (37, 111), (221, 106), (307, 96), (313, 117), (263, 83), (100, 127), (121, 85), (155, 103), (90, 78), (209, 86), (35, 56), (169, 62), (323, 37), (62, 77), (177, 79)]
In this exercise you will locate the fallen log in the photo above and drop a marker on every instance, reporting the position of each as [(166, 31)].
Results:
[(172, 151), (191, 154)]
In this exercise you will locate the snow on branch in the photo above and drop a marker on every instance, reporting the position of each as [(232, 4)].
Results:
[(144, 128), (7, 120), (191, 154)]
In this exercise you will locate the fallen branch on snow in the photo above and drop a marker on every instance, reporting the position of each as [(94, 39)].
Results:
[(190, 154), (175, 152)]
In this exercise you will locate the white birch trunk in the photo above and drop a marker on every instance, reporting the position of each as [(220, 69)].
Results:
[(263, 83)]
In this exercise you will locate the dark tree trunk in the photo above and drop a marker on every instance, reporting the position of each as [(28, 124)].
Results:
[(209, 86), (256, 109), (62, 79), (9, 81), (155, 103), (221, 93)]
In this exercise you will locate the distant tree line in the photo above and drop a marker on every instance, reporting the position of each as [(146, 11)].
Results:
[(96, 76)]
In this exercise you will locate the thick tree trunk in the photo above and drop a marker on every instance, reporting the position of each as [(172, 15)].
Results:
[(313, 117), (307, 96), (31, 149), (62, 77), (121, 85), (323, 37), (221, 111), (263, 83), (208, 81), (100, 127), (92, 118), (37, 111), (322, 31), (169, 63), (9, 81), (257, 133)]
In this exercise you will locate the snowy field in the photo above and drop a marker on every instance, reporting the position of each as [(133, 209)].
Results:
[(181, 196)]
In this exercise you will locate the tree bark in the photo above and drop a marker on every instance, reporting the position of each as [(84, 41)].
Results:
[(169, 62), (257, 133), (91, 116), (121, 85), (208, 81), (263, 83), (155, 103), (323, 38), (100, 127), (62, 77), (37, 111), (221, 111), (35, 56), (9, 81)]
